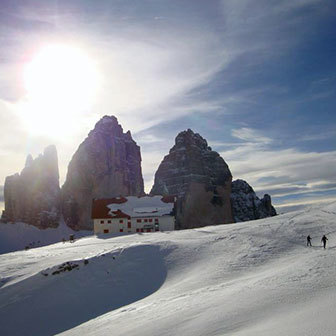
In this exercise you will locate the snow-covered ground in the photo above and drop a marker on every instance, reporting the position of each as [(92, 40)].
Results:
[(18, 236), (252, 278)]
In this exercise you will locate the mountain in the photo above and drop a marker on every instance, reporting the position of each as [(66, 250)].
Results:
[(33, 196), (200, 178), (106, 164), (246, 205), (202, 181), (245, 279)]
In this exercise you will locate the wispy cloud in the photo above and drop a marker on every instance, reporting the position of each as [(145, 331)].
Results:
[(304, 203), (251, 136), (281, 173), (162, 61)]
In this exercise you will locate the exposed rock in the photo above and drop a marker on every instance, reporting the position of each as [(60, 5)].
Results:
[(33, 196), (246, 205), (107, 164), (200, 179)]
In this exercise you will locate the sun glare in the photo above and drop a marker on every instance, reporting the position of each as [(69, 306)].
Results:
[(61, 83)]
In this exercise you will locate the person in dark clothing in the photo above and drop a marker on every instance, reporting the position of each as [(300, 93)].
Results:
[(324, 241), (309, 241)]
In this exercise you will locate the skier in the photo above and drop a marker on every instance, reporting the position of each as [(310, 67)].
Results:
[(324, 241), (309, 241)]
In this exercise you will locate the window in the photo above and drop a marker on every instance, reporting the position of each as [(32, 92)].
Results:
[(138, 220), (137, 230), (109, 222), (141, 230), (156, 220), (121, 221), (121, 230), (150, 220), (149, 230), (106, 231), (101, 222), (129, 225), (146, 220)]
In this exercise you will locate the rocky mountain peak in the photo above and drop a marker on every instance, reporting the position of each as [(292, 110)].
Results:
[(106, 164), (199, 177), (190, 160), (50, 152), (246, 205), (107, 124), (188, 138), (50, 159), (29, 160), (33, 196)]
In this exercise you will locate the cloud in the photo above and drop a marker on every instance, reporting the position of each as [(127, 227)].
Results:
[(253, 26), (304, 203), (146, 73), (251, 136), (160, 63), (293, 189), (153, 87), (154, 66), (282, 173)]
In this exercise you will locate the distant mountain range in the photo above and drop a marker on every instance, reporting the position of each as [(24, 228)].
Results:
[(108, 164)]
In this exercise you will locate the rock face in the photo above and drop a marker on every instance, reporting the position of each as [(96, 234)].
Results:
[(246, 205), (33, 196), (200, 179), (107, 164)]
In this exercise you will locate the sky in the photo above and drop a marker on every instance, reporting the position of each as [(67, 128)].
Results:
[(257, 79)]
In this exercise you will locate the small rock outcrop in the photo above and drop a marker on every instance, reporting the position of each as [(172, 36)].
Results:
[(33, 197), (246, 205), (200, 179), (107, 164)]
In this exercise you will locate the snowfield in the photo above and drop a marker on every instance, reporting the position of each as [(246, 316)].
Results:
[(16, 236), (252, 278)]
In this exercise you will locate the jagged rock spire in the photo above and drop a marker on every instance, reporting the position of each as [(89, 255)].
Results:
[(199, 177), (106, 164), (33, 196)]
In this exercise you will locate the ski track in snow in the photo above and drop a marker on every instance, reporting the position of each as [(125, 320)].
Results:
[(251, 278)]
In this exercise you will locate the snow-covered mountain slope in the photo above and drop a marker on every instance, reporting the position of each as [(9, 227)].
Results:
[(251, 278), (18, 236)]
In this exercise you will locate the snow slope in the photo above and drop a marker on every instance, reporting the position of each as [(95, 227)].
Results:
[(16, 236), (252, 278)]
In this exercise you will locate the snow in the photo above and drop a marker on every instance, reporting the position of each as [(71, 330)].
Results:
[(251, 278), (143, 206), (16, 236)]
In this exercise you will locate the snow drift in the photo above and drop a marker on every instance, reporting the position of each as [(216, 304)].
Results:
[(18, 236), (251, 278)]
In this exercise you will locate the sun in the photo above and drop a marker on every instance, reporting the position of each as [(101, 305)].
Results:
[(61, 83)]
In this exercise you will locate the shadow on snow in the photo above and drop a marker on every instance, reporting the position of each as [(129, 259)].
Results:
[(48, 305)]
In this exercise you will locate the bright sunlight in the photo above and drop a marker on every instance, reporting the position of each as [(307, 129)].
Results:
[(61, 82)]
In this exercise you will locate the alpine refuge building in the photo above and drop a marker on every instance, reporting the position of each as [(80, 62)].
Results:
[(133, 214)]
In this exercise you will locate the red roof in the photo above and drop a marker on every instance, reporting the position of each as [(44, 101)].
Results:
[(168, 198), (100, 208)]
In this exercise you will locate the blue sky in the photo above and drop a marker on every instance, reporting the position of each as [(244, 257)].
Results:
[(257, 79)]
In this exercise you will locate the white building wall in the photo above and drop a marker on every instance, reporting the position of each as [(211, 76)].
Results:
[(115, 225), (167, 223)]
